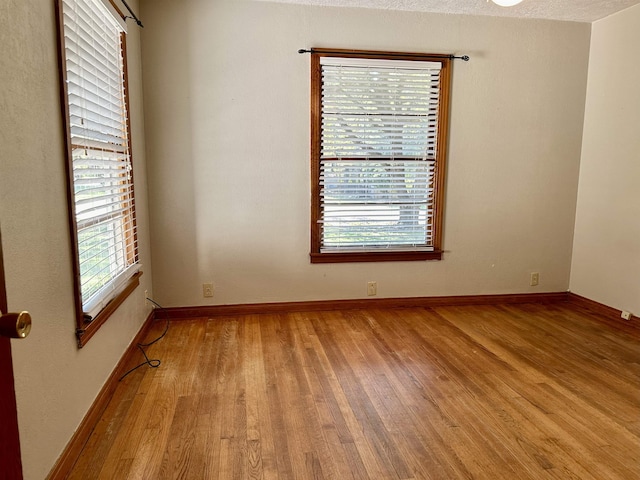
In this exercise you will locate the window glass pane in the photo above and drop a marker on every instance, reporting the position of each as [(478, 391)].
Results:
[(379, 127), (99, 144)]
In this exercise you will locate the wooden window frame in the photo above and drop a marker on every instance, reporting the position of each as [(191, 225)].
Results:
[(86, 328), (316, 256)]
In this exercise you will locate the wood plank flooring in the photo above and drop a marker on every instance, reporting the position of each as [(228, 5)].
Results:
[(475, 392)]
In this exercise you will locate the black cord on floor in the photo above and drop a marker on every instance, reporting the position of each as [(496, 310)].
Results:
[(153, 363)]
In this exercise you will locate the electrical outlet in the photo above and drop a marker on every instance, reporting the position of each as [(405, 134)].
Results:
[(535, 279), (146, 295), (372, 288), (207, 289), (625, 315)]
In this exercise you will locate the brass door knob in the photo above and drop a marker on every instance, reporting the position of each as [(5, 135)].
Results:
[(15, 325)]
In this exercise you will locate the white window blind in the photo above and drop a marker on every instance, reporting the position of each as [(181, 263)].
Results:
[(101, 161), (379, 130)]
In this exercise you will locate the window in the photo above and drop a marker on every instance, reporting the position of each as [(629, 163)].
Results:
[(378, 147), (100, 176)]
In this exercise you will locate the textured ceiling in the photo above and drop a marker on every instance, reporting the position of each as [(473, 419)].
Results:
[(569, 10)]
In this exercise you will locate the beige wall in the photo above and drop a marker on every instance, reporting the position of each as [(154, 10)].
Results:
[(227, 129), (55, 382), (606, 250)]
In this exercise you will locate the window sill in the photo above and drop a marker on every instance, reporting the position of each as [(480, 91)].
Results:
[(90, 328), (353, 257)]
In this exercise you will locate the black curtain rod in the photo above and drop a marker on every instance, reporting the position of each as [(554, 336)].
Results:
[(133, 15), (348, 53)]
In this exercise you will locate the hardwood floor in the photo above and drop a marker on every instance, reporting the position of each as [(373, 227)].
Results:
[(474, 392)]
